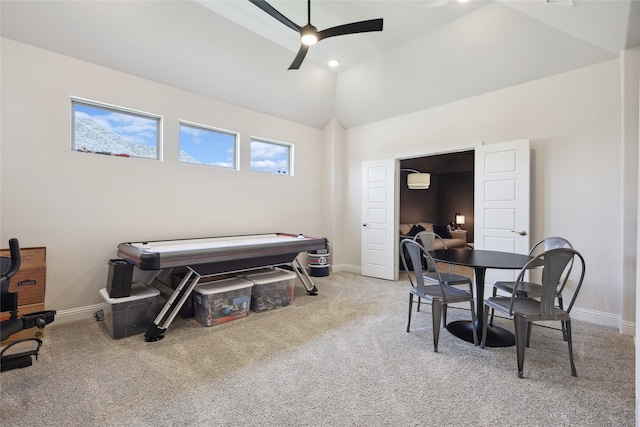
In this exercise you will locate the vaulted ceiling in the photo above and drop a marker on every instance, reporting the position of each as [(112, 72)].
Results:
[(429, 53)]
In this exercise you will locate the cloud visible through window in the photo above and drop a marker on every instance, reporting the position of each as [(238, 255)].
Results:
[(270, 157)]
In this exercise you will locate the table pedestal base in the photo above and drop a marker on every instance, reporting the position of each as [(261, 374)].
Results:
[(496, 336)]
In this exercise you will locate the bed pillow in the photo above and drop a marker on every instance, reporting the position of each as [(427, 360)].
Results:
[(415, 230), (442, 231), (427, 226)]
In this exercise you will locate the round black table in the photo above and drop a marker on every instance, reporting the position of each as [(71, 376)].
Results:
[(480, 260)]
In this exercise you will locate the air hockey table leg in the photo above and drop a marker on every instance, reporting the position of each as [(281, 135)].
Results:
[(171, 308), (304, 277)]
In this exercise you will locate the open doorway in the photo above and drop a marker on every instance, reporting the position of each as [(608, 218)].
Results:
[(498, 191), (451, 191)]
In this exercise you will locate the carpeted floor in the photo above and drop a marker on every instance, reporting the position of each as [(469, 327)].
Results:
[(341, 358)]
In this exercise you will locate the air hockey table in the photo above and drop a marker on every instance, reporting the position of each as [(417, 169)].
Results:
[(213, 256)]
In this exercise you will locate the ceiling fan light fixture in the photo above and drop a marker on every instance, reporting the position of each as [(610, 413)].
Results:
[(309, 35), (309, 39)]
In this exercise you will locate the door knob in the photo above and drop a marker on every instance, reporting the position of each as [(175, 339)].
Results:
[(522, 232)]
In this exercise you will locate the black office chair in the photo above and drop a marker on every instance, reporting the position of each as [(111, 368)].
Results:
[(9, 302)]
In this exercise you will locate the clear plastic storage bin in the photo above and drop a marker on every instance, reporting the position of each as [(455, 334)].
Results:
[(271, 289), (221, 301), (130, 315)]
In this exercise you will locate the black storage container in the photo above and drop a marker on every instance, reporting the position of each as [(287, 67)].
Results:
[(119, 278)]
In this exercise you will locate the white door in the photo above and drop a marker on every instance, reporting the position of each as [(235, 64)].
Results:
[(378, 206), (502, 181)]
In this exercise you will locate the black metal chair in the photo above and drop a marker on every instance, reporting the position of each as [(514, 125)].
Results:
[(427, 240), (9, 266), (533, 289), (524, 310), (439, 295)]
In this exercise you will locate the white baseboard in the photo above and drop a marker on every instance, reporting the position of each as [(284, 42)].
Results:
[(347, 267), (604, 319), (628, 328), (79, 313), (592, 316)]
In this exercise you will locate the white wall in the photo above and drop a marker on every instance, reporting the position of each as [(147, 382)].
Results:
[(630, 81), (574, 123), (80, 206), (333, 183)]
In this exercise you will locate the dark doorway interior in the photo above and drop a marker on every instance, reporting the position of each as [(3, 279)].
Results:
[(451, 190)]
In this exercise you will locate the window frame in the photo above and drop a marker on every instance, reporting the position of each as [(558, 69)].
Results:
[(290, 155), (236, 143), (121, 110)]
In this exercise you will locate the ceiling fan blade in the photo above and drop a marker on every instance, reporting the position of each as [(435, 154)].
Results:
[(353, 28), (299, 57), (274, 13)]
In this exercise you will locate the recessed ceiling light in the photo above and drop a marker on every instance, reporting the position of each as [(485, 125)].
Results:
[(334, 63)]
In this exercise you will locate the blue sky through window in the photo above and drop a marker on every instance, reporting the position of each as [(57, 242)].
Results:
[(270, 157), (208, 146)]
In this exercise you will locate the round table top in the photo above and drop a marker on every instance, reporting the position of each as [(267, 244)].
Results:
[(481, 258)]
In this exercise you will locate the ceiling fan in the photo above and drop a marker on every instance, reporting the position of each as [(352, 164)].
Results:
[(310, 35)]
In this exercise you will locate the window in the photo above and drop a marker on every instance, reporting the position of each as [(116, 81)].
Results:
[(271, 157), (103, 129), (208, 146)]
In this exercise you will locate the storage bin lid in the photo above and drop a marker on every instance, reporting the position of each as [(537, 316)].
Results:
[(138, 291), (224, 285), (271, 276)]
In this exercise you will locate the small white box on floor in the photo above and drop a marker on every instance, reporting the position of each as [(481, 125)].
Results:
[(221, 301), (130, 315), (271, 289)]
